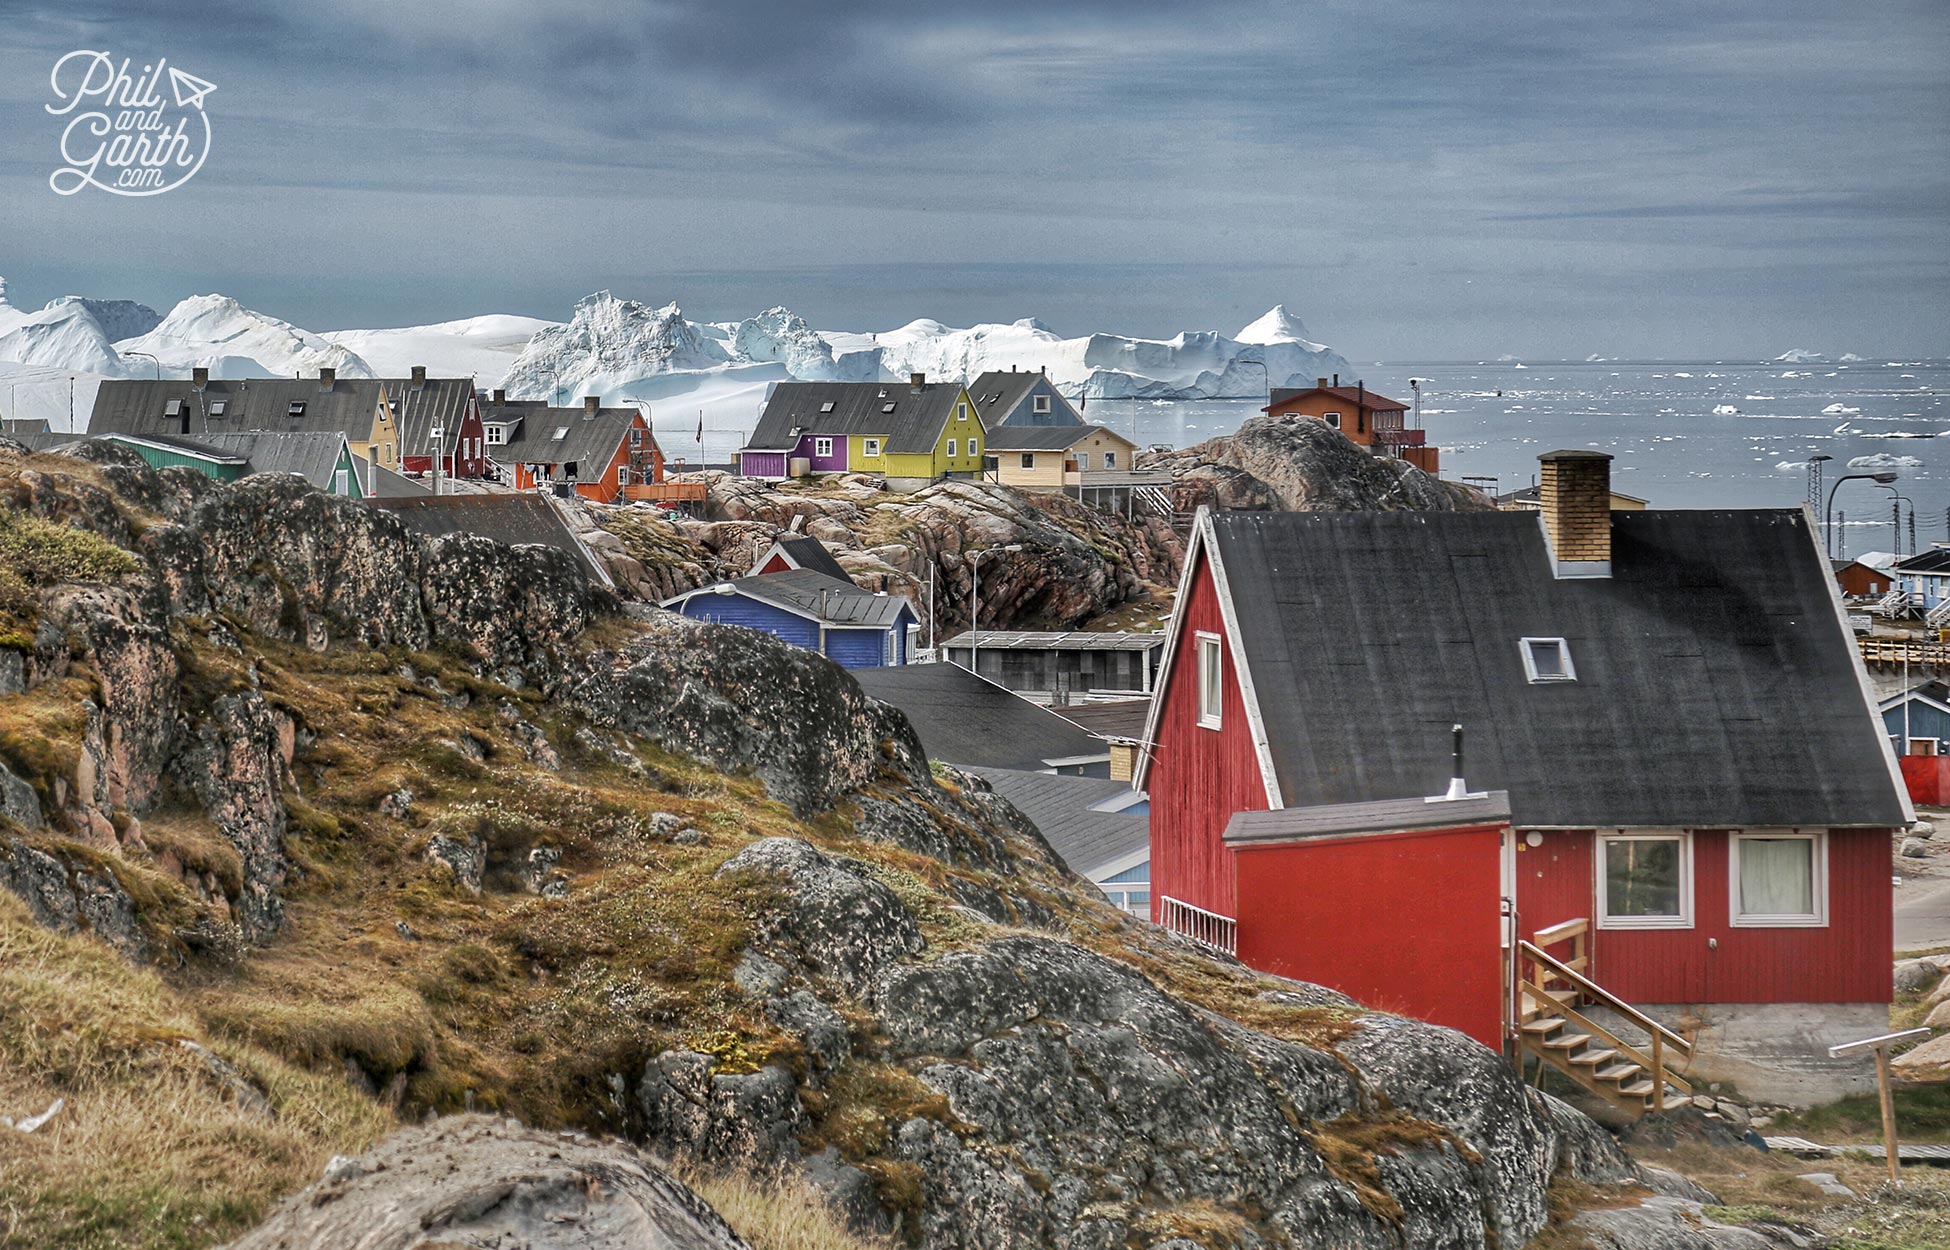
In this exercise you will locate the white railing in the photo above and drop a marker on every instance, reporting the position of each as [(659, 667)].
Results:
[(1208, 928)]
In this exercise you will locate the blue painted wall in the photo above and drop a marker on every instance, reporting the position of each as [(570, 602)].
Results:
[(857, 648), (1141, 872), (1924, 722), (751, 613)]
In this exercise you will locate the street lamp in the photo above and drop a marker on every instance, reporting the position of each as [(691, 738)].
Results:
[(1882, 478), (975, 604), (151, 359), (1265, 374)]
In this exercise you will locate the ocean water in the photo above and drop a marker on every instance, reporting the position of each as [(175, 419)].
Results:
[(1659, 420)]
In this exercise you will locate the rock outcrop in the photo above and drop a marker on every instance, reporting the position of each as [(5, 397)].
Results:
[(476, 1181), (1298, 464)]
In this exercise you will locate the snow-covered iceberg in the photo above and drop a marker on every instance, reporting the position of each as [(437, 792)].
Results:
[(218, 333)]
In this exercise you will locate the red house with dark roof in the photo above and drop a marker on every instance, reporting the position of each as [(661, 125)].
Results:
[(1368, 419), (1691, 873), (596, 452)]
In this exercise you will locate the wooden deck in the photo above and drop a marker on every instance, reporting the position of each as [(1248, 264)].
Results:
[(665, 492), (1906, 1152)]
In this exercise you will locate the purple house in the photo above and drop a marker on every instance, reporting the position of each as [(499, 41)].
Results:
[(823, 453)]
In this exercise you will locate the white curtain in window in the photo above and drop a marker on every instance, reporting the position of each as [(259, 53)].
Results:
[(1777, 877)]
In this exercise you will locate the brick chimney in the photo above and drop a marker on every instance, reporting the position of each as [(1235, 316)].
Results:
[(591, 405), (1575, 491), (917, 380), (500, 396), (1320, 384), (419, 377), (200, 376), (326, 377)]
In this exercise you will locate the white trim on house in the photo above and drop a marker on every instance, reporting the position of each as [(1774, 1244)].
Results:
[(1861, 669), (1818, 866), (1684, 920), (1123, 863), (1212, 683), (1895, 701)]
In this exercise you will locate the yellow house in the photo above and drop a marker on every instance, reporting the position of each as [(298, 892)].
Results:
[(1052, 457), (910, 433)]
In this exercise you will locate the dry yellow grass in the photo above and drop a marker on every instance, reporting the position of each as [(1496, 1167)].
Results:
[(776, 1211), (150, 1148)]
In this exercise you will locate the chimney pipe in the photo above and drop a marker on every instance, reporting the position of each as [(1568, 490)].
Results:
[(326, 377), (200, 376), (591, 405), (1574, 491), (1337, 379), (419, 377), (917, 380), (1458, 789)]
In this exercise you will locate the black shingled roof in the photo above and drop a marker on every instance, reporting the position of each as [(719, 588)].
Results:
[(141, 407), (1935, 560), (1062, 809), (997, 392), (807, 553), (965, 719), (1716, 684), (912, 427), (830, 599)]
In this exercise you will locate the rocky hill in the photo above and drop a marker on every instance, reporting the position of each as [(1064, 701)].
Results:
[(314, 828), (1298, 464), (1075, 563)]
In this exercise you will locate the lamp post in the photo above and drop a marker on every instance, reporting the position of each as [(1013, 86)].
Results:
[(1265, 374), (975, 605), (1828, 513), (154, 363)]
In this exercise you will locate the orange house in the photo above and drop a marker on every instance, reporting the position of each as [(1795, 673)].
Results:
[(602, 454), (1368, 419)]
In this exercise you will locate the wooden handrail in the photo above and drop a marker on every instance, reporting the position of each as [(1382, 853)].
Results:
[(1561, 932), (1653, 1064), (1585, 985)]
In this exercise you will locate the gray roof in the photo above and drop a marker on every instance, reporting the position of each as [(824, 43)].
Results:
[(43, 442), (182, 446), (1055, 640), (385, 483), (814, 594), (1534, 493), (14, 427), (506, 518), (998, 392), (1386, 816), (964, 719), (806, 553), (311, 454), (1061, 808), (589, 441), (125, 406), (1109, 718), (1047, 437), (912, 427), (418, 409), (1715, 682)]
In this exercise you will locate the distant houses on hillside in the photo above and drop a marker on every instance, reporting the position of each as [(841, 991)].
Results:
[(855, 628), (1368, 418), (910, 434)]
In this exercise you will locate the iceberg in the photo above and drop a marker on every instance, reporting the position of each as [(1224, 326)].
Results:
[(218, 333)]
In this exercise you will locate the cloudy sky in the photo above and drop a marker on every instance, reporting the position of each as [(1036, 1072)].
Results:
[(1416, 180)]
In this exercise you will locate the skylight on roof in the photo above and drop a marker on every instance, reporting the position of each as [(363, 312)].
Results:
[(827, 406), (218, 407), (1547, 659), (561, 432), (173, 408), (887, 407), (297, 408)]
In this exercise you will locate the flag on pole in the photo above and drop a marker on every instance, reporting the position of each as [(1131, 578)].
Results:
[(700, 430)]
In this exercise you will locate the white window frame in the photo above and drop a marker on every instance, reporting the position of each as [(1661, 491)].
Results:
[(341, 482), (1028, 459), (974, 447), (870, 447), (951, 449), (1216, 694), (961, 412), (1684, 920), (622, 475), (1936, 746), (1818, 919), (1332, 418), (497, 435), (823, 448), (1110, 460), (1083, 461), (1040, 404), (1530, 672)]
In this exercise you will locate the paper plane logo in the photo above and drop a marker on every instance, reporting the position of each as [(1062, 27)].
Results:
[(123, 134)]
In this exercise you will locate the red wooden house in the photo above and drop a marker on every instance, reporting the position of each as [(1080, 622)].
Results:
[(1368, 418), (1700, 798)]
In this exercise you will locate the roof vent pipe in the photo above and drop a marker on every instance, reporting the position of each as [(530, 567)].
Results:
[(1458, 789)]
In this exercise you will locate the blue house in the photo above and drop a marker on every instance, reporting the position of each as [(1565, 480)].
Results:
[(1918, 719), (854, 628), (1925, 576), (1010, 397)]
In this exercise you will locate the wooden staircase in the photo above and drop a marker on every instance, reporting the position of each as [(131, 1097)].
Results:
[(1551, 1028)]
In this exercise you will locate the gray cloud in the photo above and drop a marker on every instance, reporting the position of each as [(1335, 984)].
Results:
[(1418, 179)]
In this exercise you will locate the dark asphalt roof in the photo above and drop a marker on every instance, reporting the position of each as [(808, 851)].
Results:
[(311, 454), (1935, 560), (1060, 807), (1715, 682), (416, 410), (590, 441), (963, 719), (830, 599), (997, 393), (1047, 437), (13, 427), (183, 446), (806, 553), (1372, 401), (510, 519), (1387, 816), (912, 427), (384, 483), (1109, 718), (125, 406)]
